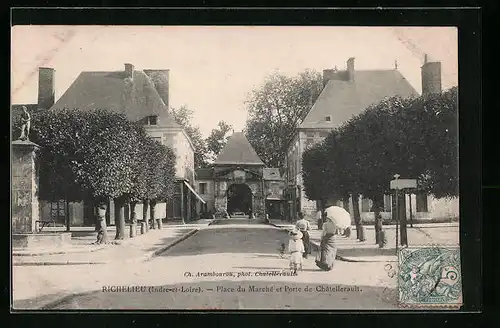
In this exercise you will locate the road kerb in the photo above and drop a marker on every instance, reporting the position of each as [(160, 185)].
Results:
[(56, 252), (46, 263), (172, 244)]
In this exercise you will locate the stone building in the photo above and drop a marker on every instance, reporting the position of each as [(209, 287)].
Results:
[(345, 94), (143, 96), (239, 183)]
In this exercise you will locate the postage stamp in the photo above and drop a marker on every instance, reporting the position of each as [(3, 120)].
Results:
[(429, 276)]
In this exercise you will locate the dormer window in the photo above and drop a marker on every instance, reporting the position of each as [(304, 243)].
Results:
[(153, 120), (328, 118)]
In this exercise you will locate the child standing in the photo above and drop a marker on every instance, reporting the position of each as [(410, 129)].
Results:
[(296, 250)]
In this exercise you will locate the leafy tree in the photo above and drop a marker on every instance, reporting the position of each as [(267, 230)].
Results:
[(102, 155), (414, 137), (276, 109), (218, 139), (85, 153), (183, 116), (428, 127), (313, 173), (154, 176), (58, 134), (328, 176)]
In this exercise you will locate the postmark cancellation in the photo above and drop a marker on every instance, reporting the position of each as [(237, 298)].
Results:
[(429, 276)]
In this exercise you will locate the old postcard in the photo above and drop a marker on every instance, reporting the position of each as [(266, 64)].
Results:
[(235, 167)]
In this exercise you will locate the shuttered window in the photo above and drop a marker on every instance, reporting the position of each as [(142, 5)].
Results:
[(203, 188), (58, 211)]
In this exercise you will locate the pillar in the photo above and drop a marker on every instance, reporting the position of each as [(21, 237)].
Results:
[(25, 206), (182, 202), (189, 214)]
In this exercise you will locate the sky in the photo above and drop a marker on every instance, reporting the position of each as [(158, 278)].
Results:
[(214, 68)]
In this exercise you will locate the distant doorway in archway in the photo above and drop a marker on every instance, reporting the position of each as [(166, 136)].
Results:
[(239, 199)]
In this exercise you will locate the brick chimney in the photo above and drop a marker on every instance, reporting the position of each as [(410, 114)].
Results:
[(350, 69), (160, 78), (46, 87), (431, 77), (333, 74), (129, 70)]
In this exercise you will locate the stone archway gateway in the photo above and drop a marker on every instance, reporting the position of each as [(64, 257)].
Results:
[(238, 179), (239, 199)]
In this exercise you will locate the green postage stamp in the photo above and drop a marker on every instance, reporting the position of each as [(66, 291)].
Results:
[(429, 276)]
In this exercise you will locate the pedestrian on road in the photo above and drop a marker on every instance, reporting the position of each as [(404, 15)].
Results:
[(296, 249), (327, 249), (304, 227)]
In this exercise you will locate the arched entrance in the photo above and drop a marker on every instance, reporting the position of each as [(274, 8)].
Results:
[(239, 199)]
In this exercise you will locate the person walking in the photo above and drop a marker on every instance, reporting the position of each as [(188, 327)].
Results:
[(304, 227), (327, 249), (296, 249)]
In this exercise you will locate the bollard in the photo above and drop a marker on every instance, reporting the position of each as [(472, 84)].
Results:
[(361, 234), (382, 239), (143, 228), (133, 230)]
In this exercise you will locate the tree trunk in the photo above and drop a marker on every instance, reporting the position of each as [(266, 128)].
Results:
[(119, 219), (102, 234), (322, 209), (360, 230), (402, 219), (380, 238), (133, 219), (345, 204), (152, 206), (145, 204), (66, 212)]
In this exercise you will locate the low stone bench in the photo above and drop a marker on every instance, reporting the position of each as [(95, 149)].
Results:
[(41, 240)]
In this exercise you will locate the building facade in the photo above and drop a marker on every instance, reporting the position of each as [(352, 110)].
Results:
[(347, 93), (143, 96)]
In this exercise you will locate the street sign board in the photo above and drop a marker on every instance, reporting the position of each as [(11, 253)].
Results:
[(403, 184)]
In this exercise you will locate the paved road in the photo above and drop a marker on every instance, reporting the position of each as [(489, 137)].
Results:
[(233, 265)]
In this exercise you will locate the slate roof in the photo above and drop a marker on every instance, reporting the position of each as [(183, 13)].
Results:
[(238, 151), (341, 100), (272, 173), (115, 92), (204, 174)]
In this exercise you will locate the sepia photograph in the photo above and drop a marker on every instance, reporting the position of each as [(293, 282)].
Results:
[(234, 168)]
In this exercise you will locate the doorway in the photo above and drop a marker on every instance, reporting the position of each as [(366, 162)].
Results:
[(239, 199)]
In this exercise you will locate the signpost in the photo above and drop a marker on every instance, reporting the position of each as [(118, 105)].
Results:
[(401, 184)]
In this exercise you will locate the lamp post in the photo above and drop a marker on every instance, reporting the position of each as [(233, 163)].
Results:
[(396, 177), (403, 184)]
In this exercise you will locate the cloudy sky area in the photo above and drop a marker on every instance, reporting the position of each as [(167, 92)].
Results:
[(212, 69)]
